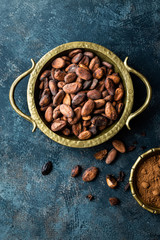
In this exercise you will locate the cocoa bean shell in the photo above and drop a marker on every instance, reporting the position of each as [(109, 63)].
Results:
[(84, 135), (119, 146), (77, 58), (58, 125)]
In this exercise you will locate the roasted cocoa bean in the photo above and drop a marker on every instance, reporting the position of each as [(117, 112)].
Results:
[(119, 146), (101, 154), (88, 108), (110, 86), (76, 171), (90, 174), (58, 98), (49, 114), (47, 168), (77, 58), (70, 77), (72, 87), (46, 73), (58, 125), (84, 135), (111, 156), (110, 111), (83, 73), (77, 99), (94, 94), (67, 111)]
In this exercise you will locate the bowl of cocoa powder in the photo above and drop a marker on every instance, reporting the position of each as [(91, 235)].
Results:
[(145, 180)]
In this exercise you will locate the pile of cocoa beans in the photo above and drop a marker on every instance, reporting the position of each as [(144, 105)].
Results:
[(80, 94)]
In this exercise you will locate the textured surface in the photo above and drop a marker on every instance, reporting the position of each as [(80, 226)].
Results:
[(36, 207)]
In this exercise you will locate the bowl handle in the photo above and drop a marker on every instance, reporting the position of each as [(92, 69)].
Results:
[(148, 97), (11, 95)]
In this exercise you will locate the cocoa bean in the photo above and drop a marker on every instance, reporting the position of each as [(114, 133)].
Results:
[(58, 63), (119, 146), (94, 84), (53, 87), (101, 154), (46, 73), (67, 99), (90, 174), (66, 110), (76, 129), (72, 87), (94, 94), (89, 54), (59, 75), (110, 86), (76, 171), (83, 73), (111, 156), (77, 99), (58, 125), (98, 73), (110, 111), (118, 94), (84, 135), (94, 64), (88, 108)]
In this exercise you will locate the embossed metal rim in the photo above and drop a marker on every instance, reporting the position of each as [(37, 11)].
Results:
[(132, 180), (98, 139)]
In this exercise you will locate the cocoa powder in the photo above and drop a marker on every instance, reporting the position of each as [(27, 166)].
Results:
[(148, 181)]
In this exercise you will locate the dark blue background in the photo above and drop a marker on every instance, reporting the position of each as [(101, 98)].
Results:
[(33, 206)]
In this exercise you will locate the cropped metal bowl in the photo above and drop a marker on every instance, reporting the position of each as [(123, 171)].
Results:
[(36, 117), (132, 179)]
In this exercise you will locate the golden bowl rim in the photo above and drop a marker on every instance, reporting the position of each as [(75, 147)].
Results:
[(98, 139), (141, 158)]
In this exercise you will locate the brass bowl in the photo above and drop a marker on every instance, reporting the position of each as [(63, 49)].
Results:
[(122, 68), (132, 179)]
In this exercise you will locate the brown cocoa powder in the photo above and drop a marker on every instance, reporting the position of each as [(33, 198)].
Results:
[(148, 181)]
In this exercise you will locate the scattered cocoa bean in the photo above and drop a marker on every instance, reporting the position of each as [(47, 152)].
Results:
[(111, 181), (114, 201), (119, 146), (111, 156), (101, 154), (90, 174), (76, 171), (47, 168)]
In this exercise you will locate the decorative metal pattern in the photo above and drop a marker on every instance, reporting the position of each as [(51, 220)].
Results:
[(132, 179), (103, 53)]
